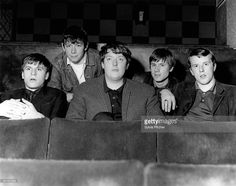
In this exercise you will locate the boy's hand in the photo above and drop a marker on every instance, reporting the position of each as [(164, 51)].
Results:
[(13, 109), (167, 100), (30, 111), (69, 97)]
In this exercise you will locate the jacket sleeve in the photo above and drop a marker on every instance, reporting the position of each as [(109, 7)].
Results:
[(60, 106), (55, 79), (77, 107), (153, 105)]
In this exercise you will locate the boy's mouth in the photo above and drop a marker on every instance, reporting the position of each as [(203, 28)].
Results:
[(203, 76)]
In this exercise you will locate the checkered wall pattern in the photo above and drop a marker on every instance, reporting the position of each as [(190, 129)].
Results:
[(162, 21)]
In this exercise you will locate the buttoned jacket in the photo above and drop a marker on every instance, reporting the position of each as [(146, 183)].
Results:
[(224, 105), (48, 101), (63, 76), (90, 98)]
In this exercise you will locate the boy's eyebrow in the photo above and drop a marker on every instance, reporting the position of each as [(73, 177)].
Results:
[(158, 61)]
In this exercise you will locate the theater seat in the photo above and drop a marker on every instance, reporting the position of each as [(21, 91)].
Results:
[(27, 139), (202, 143), (71, 173), (85, 140), (189, 175)]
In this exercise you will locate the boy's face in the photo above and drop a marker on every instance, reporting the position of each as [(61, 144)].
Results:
[(114, 66), (75, 51), (160, 70), (34, 75), (202, 68)]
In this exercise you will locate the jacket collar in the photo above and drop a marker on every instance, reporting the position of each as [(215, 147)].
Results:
[(220, 92), (127, 90), (190, 91)]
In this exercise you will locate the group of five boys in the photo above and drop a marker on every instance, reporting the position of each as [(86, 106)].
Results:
[(84, 84)]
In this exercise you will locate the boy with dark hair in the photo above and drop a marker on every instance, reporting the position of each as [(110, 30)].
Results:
[(36, 100), (125, 99), (76, 64), (161, 63), (204, 99)]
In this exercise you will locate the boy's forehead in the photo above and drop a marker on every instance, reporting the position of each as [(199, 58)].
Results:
[(158, 61), (111, 52), (34, 64), (69, 41), (200, 58)]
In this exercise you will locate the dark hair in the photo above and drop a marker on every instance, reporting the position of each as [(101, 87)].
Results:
[(162, 54), (117, 48), (201, 52), (36, 58), (75, 34)]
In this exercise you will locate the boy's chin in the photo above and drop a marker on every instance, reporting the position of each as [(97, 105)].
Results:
[(33, 88)]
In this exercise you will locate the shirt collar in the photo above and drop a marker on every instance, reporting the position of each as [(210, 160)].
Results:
[(107, 89), (212, 89), (31, 93)]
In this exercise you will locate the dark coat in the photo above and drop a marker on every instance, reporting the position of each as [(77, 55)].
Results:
[(224, 102), (148, 79), (90, 98), (48, 101)]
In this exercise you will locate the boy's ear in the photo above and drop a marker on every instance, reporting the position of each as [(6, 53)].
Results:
[(86, 47), (46, 76), (22, 75), (127, 66), (214, 67), (62, 46), (171, 69), (190, 70), (102, 63)]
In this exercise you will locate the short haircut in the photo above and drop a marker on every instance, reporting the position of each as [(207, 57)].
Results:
[(117, 48), (75, 34), (162, 54), (36, 58), (201, 52)]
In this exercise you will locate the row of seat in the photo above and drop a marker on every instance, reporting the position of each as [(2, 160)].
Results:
[(112, 173), (62, 139)]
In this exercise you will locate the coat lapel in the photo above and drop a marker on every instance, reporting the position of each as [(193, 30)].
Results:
[(220, 92), (189, 97), (105, 97), (125, 100)]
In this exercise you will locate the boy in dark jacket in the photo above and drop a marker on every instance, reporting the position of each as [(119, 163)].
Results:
[(36, 100)]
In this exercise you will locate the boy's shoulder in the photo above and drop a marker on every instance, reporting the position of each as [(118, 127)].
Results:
[(53, 91), (141, 88), (12, 94)]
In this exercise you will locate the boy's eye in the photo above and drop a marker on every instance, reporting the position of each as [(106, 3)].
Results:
[(206, 63), (121, 59), (108, 58), (162, 64), (194, 65), (67, 45), (78, 44), (153, 64), (27, 68)]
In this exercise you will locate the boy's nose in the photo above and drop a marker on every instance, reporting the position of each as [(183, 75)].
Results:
[(201, 68), (115, 62), (157, 68), (33, 72), (73, 50)]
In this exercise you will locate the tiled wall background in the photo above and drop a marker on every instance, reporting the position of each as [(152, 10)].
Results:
[(164, 21)]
